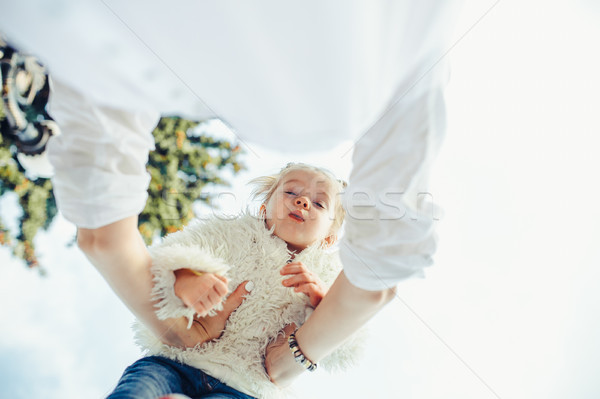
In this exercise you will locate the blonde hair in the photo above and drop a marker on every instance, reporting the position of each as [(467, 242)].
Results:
[(265, 186)]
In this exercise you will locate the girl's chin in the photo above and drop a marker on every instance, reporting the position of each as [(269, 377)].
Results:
[(296, 247)]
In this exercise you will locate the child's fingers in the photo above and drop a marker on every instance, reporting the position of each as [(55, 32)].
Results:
[(212, 291), (210, 281), (205, 303), (293, 268), (222, 278), (220, 287), (297, 279), (313, 291), (201, 307), (308, 288), (213, 298), (294, 263)]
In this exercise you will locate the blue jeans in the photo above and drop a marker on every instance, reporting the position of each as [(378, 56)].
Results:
[(155, 376)]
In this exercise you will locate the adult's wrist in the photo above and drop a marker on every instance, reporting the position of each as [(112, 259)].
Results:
[(305, 343), (299, 356)]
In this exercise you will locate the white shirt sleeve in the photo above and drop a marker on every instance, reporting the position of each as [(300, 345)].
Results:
[(99, 159), (390, 219)]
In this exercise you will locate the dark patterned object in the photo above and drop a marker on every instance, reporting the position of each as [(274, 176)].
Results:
[(24, 96)]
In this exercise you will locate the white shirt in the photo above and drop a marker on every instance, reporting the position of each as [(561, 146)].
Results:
[(274, 71)]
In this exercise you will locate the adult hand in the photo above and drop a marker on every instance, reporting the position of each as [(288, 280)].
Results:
[(305, 281), (278, 353), (208, 328), (200, 292)]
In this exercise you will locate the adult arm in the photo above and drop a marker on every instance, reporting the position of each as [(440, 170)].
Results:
[(100, 183), (342, 311), (390, 220), (120, 255), (389, 234)]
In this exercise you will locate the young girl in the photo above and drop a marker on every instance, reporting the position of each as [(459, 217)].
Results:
[(284, 256)]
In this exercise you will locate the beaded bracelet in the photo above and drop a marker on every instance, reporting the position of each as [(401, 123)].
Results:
[(298, 355)]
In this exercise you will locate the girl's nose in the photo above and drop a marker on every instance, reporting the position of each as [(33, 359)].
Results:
[(303, 202)]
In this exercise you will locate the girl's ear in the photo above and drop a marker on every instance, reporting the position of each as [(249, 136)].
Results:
[(330, 240)]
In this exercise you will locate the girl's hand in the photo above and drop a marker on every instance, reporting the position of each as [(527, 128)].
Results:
[(210, 328), (200, 292), (303, 280)]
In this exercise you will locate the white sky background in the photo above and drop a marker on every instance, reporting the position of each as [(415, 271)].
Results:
[(512, 307)]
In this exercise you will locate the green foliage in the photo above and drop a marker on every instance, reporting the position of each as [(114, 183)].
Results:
[(35, 199), (180, 167)]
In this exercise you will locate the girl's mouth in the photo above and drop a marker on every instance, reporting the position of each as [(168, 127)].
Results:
[(296, 216)]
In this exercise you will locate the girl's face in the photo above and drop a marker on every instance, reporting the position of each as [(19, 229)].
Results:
[(302, 209)]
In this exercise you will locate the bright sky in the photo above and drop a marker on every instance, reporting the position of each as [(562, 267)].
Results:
[(510, 310)]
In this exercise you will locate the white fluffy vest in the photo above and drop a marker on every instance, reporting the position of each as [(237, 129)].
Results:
[(240, 248)]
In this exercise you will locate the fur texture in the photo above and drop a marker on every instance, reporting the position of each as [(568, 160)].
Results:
[(242, 249)]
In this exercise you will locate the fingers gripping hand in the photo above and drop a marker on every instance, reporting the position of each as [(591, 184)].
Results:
[(212, 327), (200, 292), (279, 362), (305, 281), (282, 337)]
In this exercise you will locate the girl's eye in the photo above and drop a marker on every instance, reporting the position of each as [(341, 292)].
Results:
[(290, 192), (320, 205)]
